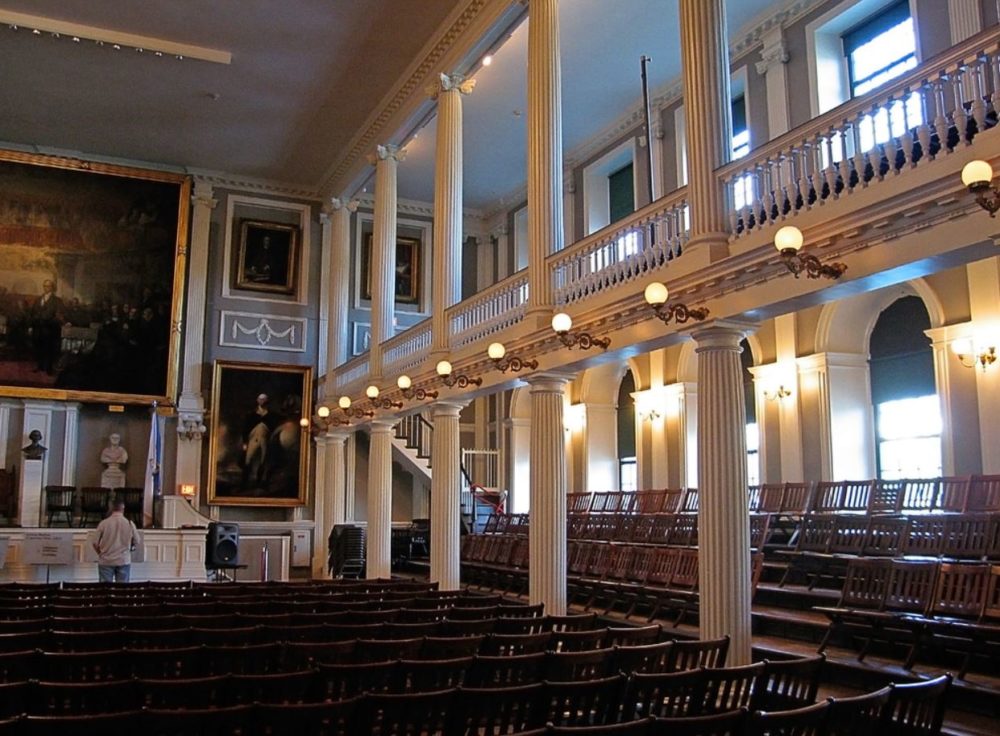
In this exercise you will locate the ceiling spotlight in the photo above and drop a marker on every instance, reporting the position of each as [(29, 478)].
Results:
[(656, 295), (788, 240), (562, 323)]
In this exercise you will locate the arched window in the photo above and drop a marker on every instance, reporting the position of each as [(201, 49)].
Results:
[(907, 412), (753, 431), (628, 469)]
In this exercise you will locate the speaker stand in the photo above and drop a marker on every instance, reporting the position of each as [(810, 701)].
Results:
[(222, 574)]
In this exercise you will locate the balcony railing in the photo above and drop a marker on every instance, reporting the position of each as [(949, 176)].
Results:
[(927, 113), (623, 251), (407, 349), (490, 311)]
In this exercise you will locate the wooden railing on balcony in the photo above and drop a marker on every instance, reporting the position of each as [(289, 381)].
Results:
[(353, 370), (929, 112), (623, 251), (407, 349), (490, 311)]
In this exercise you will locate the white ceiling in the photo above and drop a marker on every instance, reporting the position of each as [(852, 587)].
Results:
[(304, 77)]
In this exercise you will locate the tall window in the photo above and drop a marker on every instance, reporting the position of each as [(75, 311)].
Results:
[(878, 50), (752, 429), (621, 193), (907, 412), (743, 189), (628, 468)]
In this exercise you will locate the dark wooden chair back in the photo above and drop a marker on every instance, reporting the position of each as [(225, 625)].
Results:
[(586, 702), (857, 716), (633, 635), (59, 502), (406, 713), (643, 658), (691, 654), (333, 718), (664, 694), (730, 688), (506, 671), (916, 709), (788, 684), (423, 675), (809, 720), (573, 666), (718, 724)]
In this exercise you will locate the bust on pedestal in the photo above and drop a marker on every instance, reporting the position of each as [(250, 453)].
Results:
[(113, 456), (29, 505)]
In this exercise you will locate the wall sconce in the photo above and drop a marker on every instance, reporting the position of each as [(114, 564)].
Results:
[(372, 393), (777, 394), (322, 421), (971, 356), (344, 402), (978, 177), (190, 427), (562, 323), (504, 362), (444, 369), (188, 490), (405, 385), (788, 240), (656, 295), (649, 414)]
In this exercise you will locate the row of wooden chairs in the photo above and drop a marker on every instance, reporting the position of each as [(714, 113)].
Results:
[(920, 604), (951, 493), (674, 529), (827, 542), (62, 502), (590, 707)]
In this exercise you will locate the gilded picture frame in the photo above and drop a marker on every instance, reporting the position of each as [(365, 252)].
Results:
[(259, 453), (267, 258), (92, 274), (408, 266)]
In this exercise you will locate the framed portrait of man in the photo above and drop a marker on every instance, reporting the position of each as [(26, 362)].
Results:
[(407, 269), (267, 257), (259, 453)]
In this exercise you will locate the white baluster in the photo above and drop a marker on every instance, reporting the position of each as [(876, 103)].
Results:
[(959, 115), (978, 102)]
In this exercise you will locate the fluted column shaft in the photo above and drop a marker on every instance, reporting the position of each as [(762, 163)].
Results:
[(705, 62), (446, 490), (330, 495), (383, 255), (337, 225), (547, 533), (447, 204), (379, 542), (545, 165), (723, 513), (191, 403)]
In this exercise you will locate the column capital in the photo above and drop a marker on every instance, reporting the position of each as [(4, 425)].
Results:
[(450, 83), (499, 231), (721, 334), (548, 382), (774, 51), (335, 204), (387, 152), (449, 408), (333, 436), (202, 194), (382, 425)]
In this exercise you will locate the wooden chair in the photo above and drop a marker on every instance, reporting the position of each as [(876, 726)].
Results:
[(689, 654), (886, 496), (506, 670), (303, 654), (384, 650), (589, 702), (919, 494), (857, 716), (59, 501), (511, 644), (15, 698), (332, 718), (633, 635), (381, 714), (916, 708), (20, 666), (423, 675), (984, 493), (571, 666), (184, 692), (161, 664), (578, 641), (865, 585), (496, 710), (127, 723), (72, 698), (343, 681), (730, 688), (663, 694), (8, 494), (133, 498), (94, 503), (788, 684), (448, 647), (249, 659), (278, 687), (232, 720), (571, 622), (632, 728), (83, 666), (809, 720), (719, 724), (644, 658), (953, 493)]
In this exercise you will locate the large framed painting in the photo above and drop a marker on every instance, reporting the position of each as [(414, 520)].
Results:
[(267, 257), (407, 269), (92, 262), (259, 455)]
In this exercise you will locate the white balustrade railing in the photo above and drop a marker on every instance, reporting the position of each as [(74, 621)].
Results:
[(918, 117), (490, 311), (353, 370), (406, 350), (623, 251)]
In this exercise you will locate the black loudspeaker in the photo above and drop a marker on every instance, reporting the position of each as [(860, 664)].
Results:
[(222, 545)]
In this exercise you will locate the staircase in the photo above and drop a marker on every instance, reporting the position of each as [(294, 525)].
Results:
[(412, 445)]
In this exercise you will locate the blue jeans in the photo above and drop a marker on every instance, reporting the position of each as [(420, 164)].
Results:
[(113, 573)]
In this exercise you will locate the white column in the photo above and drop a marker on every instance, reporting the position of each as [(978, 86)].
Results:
[(659, 136), (330, 512), (34, 473), (5, 406), (336, 219), (705, 63), (379, 544), (600, 442), (383, 256), (545, 172), (519, 459), (569, 211), (446, 489), (789, 418), (772, 66), (191, 403), (447, 274), (500, 235), (547, 539), (943, 357), (966, 19), (71, 436), (350, 476), (984, 303), (723, 514), (320, 503)]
